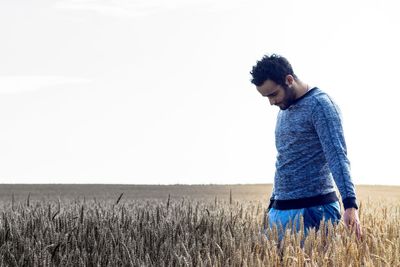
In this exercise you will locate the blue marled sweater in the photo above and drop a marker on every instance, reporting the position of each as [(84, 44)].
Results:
[(312, 154)]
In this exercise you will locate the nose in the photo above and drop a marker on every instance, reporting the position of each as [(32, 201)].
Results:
[(271, 101)]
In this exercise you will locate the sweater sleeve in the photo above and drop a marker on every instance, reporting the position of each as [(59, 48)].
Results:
[(328, 125)]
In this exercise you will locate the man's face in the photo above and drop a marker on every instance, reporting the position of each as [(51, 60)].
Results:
[(278, 95)]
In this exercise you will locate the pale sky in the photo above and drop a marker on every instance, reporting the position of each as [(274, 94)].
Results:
[(158, 92)]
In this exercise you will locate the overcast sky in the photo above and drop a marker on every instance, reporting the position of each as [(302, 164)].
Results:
[(158, 91)]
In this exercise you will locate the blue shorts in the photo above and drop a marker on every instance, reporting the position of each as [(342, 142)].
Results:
[(312, 217)]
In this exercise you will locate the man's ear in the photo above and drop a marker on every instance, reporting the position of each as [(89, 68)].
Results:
[(289, 80)]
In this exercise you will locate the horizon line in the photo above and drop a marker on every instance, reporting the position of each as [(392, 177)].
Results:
[(171, 184)]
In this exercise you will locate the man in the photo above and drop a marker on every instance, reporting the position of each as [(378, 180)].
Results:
[(312, 154)]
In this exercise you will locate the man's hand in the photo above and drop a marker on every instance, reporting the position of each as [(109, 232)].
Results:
[(351, 220)]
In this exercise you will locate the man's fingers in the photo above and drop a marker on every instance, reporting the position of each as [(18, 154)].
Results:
[(356, 227), (358, 230), (350, 223)]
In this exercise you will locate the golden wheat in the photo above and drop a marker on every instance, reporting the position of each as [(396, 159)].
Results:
[(186, 233)]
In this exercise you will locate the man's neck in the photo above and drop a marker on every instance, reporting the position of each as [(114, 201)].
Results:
[(301, 88)]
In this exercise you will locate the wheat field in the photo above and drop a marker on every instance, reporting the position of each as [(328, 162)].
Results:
[(177, 225)]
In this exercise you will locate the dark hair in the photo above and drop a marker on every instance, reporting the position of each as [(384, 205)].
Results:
[(274, 68)]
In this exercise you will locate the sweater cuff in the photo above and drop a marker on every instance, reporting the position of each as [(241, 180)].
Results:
[(350, 202)]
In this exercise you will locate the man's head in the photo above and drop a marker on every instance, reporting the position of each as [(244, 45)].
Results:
[(282, 96), (274, 68), (274, 78)]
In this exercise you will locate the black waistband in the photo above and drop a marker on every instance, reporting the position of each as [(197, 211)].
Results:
[(304, 202)]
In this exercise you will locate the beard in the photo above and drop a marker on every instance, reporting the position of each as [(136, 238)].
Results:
[(289, 99)]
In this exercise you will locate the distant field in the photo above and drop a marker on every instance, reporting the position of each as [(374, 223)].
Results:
[(133, 192), (256, 192), (182, 225)]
